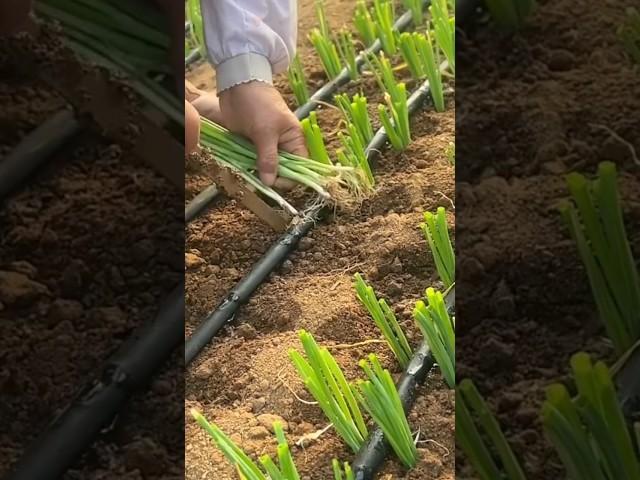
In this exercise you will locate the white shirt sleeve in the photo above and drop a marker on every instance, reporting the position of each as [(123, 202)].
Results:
[(249, 40)]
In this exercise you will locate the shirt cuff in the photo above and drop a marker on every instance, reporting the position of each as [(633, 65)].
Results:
[(243, 68)]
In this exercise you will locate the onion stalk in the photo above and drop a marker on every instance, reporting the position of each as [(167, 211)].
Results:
[(444, 30), (597, 226), (439, 332), (196, 25), (356, 111), (298, 81), (325, 47), (245, 467), (347, 50), (385, 320), (423, 58), (325, 381), (415, 6), (383, 15), (353, 154), (472, 414), (379, 396), (436, 233), (342, 472), (590, 432), (315, 139), (364, 24)]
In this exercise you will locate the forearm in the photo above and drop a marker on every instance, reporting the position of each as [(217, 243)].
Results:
[(250, 40)]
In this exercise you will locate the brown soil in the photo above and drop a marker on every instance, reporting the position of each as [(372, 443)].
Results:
[(88, 249), (244, 378), (525, 107)]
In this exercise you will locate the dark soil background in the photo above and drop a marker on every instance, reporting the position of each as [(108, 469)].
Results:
[(88, 249), (531, 108), (244, 380)]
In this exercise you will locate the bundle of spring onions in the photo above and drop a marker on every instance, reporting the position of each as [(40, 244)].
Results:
[(439, 331), (444, 31), (590, 432), (238, 154), (423, 58), (510, 14), (385, 320), (437, 234), (629, 34), (364, 23), (472, 414), (127, 37), (298, 81), (324, 45), (246, 468), (596, 225), (379, 396), (394, 116), (327, 384), (356, 111)]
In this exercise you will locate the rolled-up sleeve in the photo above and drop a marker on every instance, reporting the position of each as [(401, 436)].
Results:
[(249, 40)]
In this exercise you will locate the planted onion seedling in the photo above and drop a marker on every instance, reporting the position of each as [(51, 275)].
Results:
[(437, 234), (324, 45), (246, 468), (327, 384), (596, 225), (364, 24), (315, 139), (444, 31), (379, 396), (589, 431), (383, 15), (385, 320), (629, 34), (472, 415), (298, 81), (439, 332), (423, 58), (347, 51), (510, 14), (353, 154), (356, 111), (415, 7), (342, 472)]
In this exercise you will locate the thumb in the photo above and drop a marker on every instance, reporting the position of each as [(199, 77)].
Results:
[(267, 149)]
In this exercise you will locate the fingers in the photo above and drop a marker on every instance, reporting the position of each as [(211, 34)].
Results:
[(267, 148), (191, 128)]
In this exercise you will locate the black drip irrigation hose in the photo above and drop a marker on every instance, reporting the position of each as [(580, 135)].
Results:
[(372, 455), (277, 254), (327, 91), (129, 369), (35, 149), (196, 206)]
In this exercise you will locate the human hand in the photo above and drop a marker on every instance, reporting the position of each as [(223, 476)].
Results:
[(258, 112)]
